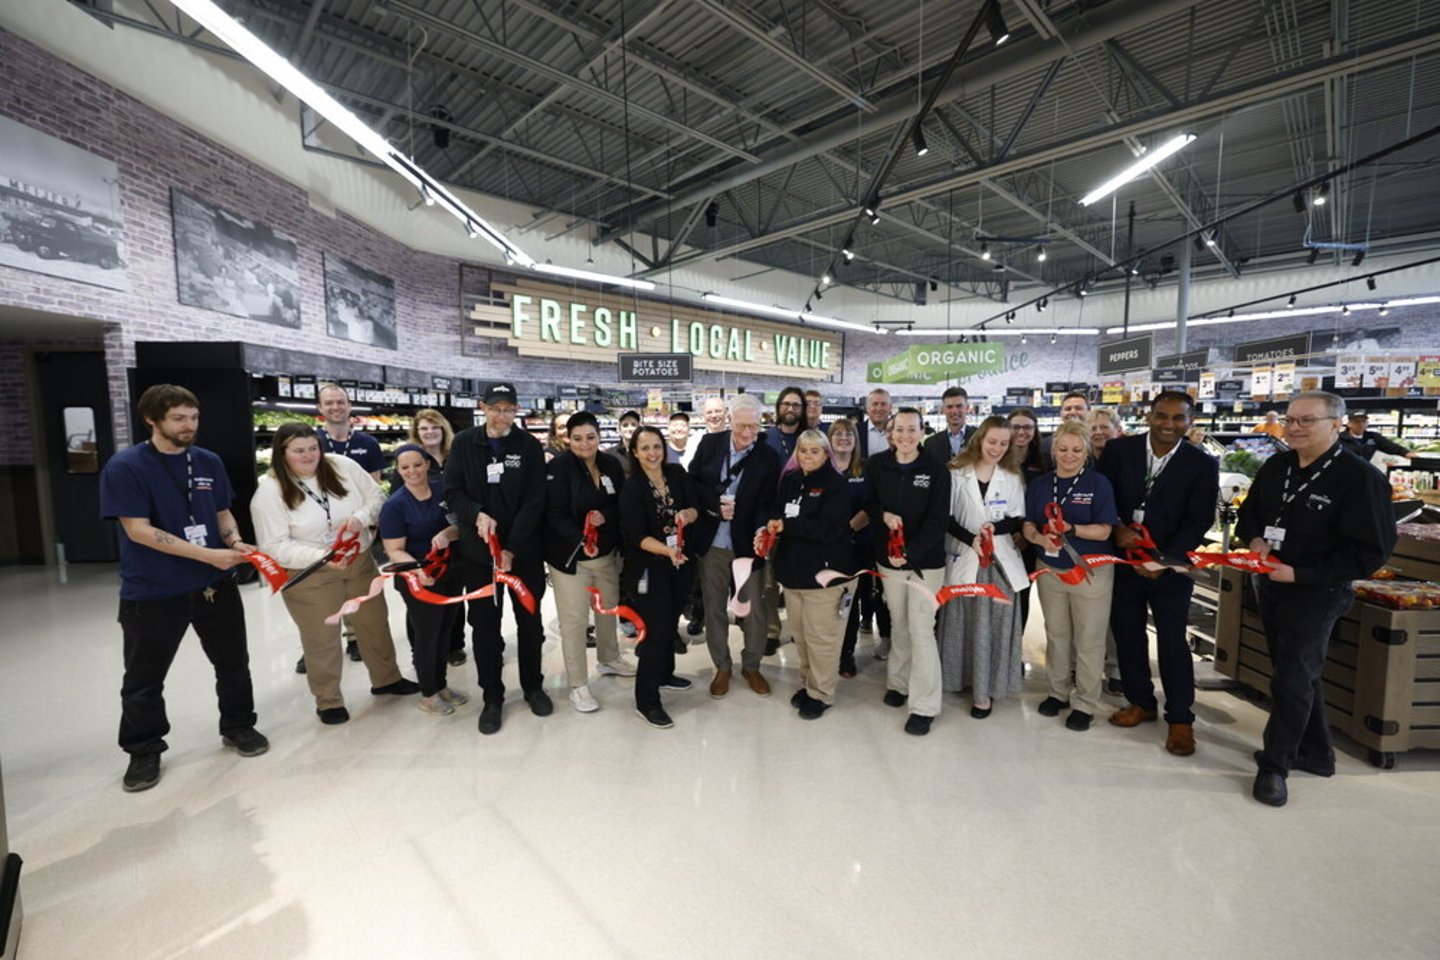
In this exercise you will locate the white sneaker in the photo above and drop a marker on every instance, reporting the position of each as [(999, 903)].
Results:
[(621, 666), (454, 697), (436, 706), (581, 699)]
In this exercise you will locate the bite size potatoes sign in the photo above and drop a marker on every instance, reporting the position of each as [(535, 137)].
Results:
[(546, 319)]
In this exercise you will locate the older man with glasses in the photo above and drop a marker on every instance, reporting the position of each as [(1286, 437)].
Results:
[(1323, 516)]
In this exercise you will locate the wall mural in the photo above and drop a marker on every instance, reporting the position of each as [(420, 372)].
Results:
[(231, 264), (359, 304)]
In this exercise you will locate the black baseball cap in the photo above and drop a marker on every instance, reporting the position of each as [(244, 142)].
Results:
[(500, 392)]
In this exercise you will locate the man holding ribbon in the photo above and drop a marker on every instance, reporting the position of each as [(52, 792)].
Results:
[(1322, 516), (1165, 494), (172, 500), (495, 485)]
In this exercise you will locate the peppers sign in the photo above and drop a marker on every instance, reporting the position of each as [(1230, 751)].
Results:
[(1122, 356), (937, 362)]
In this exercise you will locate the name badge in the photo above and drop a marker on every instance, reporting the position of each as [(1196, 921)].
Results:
[(195, 533), (672, 541), (1275, 536), (1138, 515), (494, 471), (997, 509), (608, 484), (792, 509)]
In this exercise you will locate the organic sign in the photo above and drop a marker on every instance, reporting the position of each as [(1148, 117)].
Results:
[(937, 362)]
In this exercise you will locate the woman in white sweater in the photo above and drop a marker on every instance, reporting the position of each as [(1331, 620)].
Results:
[(302, 504), (980, 638)]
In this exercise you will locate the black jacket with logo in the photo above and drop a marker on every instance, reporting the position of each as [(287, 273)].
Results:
[(570, 495), (817, 537), (920, 493), (516, 501)]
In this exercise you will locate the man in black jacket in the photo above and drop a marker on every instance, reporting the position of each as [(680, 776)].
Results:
[(1171, 488), (1363, 443), (735, 476), (1324, 515), (495, 484)]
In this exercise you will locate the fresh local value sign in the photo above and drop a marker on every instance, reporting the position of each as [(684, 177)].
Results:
[(937, 362), (543, 319)]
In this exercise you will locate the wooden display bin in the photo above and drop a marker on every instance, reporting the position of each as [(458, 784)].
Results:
[(1382, 669)]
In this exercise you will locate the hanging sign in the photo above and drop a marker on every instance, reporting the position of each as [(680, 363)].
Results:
[(1276, 348), (1282, 381), (1260, 383), (1427, 371), (1122, 356), (656, 367), (1207, 385)]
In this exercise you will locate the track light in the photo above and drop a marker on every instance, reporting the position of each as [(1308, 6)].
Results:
[(1345, 310), (427, 195), (921, 147), (995, 23), (1290, 304), (847, 250), (1135, 270), (1370, 283), (1144, 163), (1024, 338), (1384, 309), (1320, 195), (997, 267), (934, 284), (1359, 258), (819, 295), (984, 251), (1314, 255), (1044, 302), (470, 230), (826, 278), (1041, 256), (712, 214), (1231, 313), (1053, 338), (1210, 240)]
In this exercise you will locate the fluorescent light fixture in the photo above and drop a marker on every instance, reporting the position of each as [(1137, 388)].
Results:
[(1150, 159), (774, 311), (984, 251), (921, 147), (995, 23), (592, 275), (277, 68), (836, 322)]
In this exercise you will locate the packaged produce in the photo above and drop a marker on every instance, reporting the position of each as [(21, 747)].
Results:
[(1399, 594)]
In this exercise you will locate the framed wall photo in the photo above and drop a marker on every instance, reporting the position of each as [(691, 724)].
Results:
[(59, 209), (359, 304), (233, 265)]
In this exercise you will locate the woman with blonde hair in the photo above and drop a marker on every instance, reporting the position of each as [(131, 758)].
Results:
[(844, 439), (980, 638), (1076, 614), (302, 504), (432, 433)]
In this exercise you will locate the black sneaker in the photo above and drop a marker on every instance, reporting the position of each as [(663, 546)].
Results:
[(540, 703), (772, 644), (917, 725), (675, 683), (656, 717), (143, 772), (681, 646), (894, 698), (1114, 687), (797, 699), (848, 669), (590, 637), (1051, 707), (812, 709), (352, 650), (333, 715), (1079, 720), (695, 627), (300, 665), (248, 742), (400, 688), (458, 658), (490, 718)]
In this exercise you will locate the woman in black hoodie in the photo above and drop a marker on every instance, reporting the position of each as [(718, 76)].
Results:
[(811, 526)]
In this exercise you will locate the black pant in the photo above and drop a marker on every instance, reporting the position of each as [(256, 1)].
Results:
[(153, 630), (659, 606), (1168, 598), (1299, 619), (485, 615), (429, 626), (1027, 557), (871, 594)]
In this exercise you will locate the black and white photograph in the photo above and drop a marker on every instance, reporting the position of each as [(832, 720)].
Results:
[(59, 209), (359, 303), (233, 265)]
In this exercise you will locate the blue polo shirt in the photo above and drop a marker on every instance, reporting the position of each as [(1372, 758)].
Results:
[(360, 447), (1088, 498), (416, 520), (143, 482)]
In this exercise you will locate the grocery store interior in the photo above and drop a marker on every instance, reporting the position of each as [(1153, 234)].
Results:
[(640, 205)]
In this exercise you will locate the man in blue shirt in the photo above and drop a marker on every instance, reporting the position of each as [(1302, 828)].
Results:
[(172, 499)]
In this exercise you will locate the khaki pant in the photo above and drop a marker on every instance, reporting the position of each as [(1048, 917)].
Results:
[(914, 665), (1076, 620), (319, 596), (818, 634), (572, 605), (714, 573)]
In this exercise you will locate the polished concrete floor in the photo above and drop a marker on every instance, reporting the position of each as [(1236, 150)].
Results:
[(743, 831)]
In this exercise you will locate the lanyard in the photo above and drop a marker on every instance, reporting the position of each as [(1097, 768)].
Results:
[(1055, 487), (188, 489), (1154, 466), (330, 442), (323, 499), (731, 465), (1286, 497)]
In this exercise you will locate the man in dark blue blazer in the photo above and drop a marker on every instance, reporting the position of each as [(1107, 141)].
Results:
[(1171, 487), (736, 478)]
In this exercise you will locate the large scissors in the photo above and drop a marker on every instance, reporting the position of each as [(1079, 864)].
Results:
[(1055, 527), (987, 556), (1138, 552), (343, 551)]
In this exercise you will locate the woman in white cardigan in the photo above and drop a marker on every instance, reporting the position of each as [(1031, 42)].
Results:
[(980, 638), (302, 504)]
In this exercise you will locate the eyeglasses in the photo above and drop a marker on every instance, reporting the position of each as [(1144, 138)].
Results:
[(1306, 422), (791, 403)]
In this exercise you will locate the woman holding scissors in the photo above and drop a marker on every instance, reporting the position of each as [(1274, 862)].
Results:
[(306, 506)]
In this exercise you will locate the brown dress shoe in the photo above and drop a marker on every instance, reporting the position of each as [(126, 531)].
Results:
[(720, 685), (757, 682), (1181, 739), (1132, 716)]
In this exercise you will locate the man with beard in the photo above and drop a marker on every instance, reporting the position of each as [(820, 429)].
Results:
[(172, 500), (789, 420)]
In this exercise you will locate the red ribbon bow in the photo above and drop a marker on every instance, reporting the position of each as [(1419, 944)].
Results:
[(1247, 560), (765, 542), (897, 545), (1055, 525), (987, 548), (265, 564)]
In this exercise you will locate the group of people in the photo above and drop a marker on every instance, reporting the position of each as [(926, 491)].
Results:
[(858, 524)]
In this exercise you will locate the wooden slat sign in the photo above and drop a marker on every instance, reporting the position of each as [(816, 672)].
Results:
[(541, 319)]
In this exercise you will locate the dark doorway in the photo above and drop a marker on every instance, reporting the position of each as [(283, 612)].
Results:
[(79, 439)]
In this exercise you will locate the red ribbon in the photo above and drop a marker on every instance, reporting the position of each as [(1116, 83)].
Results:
[(590, 538), (765, 542), (622, 611), (1247, 560), (987, 548), (897, 545), (1055, 525), (679, 535), (436, 563), (951, 591), (265, 564)]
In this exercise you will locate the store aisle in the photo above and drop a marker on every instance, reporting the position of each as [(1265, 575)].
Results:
[(742, 831)]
